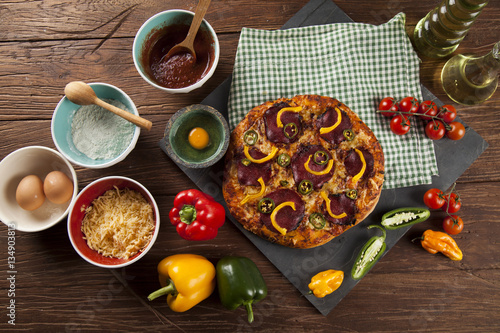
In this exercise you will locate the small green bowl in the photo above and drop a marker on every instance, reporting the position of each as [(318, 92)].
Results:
[(176, 143)]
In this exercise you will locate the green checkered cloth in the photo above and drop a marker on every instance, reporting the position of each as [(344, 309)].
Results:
[(356, 63)]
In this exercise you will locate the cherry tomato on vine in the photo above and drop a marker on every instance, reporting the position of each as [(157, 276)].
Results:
[(453, 224), (456, 132), (408, 104), (434, 198), (447, 113), (426, 109), (435, 129), (400, 124), (452, 204), (388, 104)]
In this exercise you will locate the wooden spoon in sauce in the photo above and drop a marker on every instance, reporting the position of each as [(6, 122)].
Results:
[(81, 93), (187, 44)]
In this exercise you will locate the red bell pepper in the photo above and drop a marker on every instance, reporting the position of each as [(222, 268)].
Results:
[(196, 215)]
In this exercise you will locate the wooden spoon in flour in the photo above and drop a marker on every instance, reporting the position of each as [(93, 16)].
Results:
[(81, 93)]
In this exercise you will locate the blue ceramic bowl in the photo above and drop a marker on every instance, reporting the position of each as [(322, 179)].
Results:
[(175, 141), (156, 23), (61, 128)]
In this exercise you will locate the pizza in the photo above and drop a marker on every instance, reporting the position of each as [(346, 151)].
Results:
[(300, 171)]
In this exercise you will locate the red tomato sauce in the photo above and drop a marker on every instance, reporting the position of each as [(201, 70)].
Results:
[(180, 70)]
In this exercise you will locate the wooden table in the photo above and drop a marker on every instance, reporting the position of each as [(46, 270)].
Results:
[(46, 44)]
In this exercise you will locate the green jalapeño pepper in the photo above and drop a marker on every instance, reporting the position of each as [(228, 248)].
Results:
[(250, 137), (369, 254), (320, 157), (240, 283), (402, 217), (266, 205), (283, 160), (348, 134), (291, 130), (352, 194), (305, 187), (317, 220)]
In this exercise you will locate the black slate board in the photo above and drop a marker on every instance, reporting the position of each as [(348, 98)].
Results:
[(298, 266)]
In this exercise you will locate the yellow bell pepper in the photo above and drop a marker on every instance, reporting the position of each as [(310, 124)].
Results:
[(255, 195), (324, 195), (363, 168), (290, 108), (324, 130), (325, 171), (325, 283), (187, 279), (246, 151), (282, 205)]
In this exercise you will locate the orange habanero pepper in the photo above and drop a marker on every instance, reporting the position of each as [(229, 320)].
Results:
[(436, 241), (325, 283)]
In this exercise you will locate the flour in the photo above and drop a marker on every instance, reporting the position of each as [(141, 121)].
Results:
[(99, 133)]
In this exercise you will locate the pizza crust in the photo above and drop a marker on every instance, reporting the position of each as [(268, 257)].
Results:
[(304, 236)]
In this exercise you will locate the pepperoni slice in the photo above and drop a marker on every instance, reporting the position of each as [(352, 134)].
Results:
[(340, 203), (329, 118), (277, 134), (286, 217), (303, 154), (249, 174), (353, 163)]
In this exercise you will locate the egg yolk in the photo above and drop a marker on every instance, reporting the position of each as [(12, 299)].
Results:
[(198, 138)]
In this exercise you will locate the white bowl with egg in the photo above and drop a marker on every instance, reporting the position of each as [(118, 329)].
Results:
[(95, 142), (110, 207), (39, 213)]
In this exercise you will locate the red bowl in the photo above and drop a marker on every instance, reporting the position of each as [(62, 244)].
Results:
[(77, 213)]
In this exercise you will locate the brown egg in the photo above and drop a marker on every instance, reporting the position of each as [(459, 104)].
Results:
[(29, 193), (58, 187)]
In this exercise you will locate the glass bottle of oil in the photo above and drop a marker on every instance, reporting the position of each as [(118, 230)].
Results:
[(443, 28), (471, 80)]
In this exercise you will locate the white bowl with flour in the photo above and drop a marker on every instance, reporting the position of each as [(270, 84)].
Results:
[(91, 136)]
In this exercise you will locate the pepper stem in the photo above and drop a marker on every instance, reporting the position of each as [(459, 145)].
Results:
[(187, 214), (417, 238), (248, 306), (379, 227), (168, 289)]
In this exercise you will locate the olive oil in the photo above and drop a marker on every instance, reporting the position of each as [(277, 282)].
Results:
[(471, 80), (440, 32)]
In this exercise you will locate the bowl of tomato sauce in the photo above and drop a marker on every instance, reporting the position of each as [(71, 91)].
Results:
[(180, 73)]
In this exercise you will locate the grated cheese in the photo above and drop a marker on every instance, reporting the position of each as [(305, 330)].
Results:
[(119, 223)]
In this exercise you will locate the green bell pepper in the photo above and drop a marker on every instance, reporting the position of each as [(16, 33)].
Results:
[(240, 283)]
